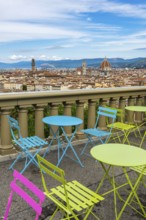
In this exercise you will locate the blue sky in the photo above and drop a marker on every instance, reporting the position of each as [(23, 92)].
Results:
[(72, 29)]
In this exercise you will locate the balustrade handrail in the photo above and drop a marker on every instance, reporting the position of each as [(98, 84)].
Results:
[(132, 95)]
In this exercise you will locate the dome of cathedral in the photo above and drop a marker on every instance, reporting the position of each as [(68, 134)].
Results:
[(105, 65)]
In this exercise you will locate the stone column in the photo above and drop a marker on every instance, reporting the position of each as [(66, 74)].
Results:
[(39, 125), (102, 119), (92, 114), (144, 103), (67, 111), (80, 114), (130, 114), (53, 111), (112, 104), (139, 115), (122, 104), (23, 120), (6, 147), (144, 100)]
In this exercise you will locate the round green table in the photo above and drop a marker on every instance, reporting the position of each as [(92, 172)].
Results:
[(141, 122), (136, 108), (125, 156), (119, 154)]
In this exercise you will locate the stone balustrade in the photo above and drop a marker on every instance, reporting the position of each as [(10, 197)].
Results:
[(87, 99)]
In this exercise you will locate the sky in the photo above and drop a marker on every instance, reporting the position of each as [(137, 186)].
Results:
[(72, 29)]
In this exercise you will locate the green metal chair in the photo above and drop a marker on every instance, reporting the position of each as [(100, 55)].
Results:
[(121, 129), (141, 173), (142, 140), (71, 198)]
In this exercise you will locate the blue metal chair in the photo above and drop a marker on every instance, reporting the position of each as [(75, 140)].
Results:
[(101, 135), (25, 144)]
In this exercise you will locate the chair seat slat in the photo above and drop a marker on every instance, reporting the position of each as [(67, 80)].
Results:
[(87, 192), (72, 197), (63, 197), (139, 169), (96, 132), (120, 125), (57, 202)]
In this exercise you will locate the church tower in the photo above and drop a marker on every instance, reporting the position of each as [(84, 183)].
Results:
[(84, 68), (33, 65)]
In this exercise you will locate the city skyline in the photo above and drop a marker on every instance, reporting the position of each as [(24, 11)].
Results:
[(53, 29)]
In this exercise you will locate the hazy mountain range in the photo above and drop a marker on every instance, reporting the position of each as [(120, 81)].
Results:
[(139, 62)]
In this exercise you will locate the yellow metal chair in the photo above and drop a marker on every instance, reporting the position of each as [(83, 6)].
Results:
[(121, 129), (141, 173), (71, 198), (143, 138)]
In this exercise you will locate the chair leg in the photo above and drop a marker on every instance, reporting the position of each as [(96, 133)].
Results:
[(8, 206), (88, 141), (54, 213), (18, 157), (27, 164), (142, 140)]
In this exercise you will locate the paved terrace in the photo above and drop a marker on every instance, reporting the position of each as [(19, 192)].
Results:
[(90, 176)]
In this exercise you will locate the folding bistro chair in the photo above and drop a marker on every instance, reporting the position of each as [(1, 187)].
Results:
[(142, 140), (71, 198), (16, 188), (25, 144), (101, 135), (141, 173), (121, 129)]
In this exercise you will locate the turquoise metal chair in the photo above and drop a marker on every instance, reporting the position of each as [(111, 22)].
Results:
[(101, 135), (25, 145)]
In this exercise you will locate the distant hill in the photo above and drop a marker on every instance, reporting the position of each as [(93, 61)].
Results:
[(139, 62)]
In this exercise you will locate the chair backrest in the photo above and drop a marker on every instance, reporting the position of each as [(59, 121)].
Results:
[(15, 130), (55, 172), (16, 187), (120, 114), (107, 113)]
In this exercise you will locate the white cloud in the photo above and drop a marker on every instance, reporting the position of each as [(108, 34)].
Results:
[(35, 19), (70, 24), (17, 57), (54, 9), (11, 31)]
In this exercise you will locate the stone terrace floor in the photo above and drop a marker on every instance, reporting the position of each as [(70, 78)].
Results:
[(90, 176)]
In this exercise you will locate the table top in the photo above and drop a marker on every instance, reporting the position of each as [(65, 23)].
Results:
[(136, 108), (62, 120), (119, 154)]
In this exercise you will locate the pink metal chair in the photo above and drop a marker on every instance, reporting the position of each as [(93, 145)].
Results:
[(15, 188)]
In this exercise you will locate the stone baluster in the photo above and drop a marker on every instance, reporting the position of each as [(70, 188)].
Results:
[(144, 100), (144, 103), (130, 114), (39, 125), (6, 147), (92, 114), (102, 120), (122, 104), (23, 120), (112, 104), (67, 111), (53, 111), (139, 115), (80, 114)]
